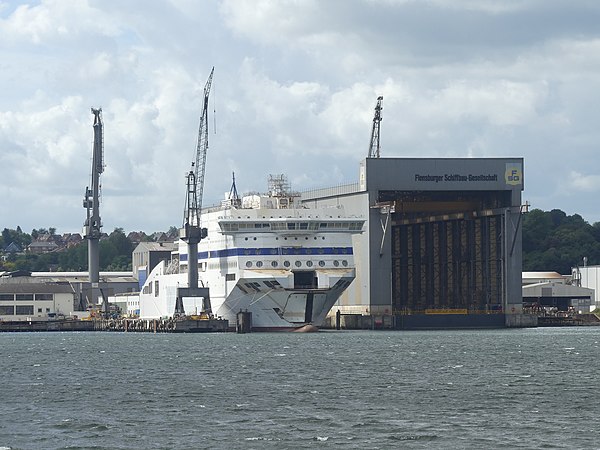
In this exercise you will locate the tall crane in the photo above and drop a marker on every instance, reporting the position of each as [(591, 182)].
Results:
[(374, 144), (91, 202), (191, 232)]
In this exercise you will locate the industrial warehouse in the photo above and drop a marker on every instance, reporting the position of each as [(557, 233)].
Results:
[(442, 243)]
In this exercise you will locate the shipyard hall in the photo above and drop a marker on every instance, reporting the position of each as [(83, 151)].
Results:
[(441, 247)]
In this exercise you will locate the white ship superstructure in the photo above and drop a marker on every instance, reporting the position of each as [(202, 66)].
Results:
[(285, 264)]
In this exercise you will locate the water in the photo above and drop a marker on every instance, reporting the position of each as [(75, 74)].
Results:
[(530, 388)]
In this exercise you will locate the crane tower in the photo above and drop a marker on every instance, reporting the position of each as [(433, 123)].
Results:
[(191, 232), (91, 202), (374, 144)]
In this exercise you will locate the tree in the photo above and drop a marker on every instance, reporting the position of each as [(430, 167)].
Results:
[(557, 242)]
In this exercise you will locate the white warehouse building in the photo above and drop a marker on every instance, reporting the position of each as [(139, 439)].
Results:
[(588, 277)]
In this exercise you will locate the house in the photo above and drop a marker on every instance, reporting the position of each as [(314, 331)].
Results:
[(39, 247), (13, 247)]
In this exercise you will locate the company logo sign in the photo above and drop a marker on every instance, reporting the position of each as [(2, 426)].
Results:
[(513, 174)]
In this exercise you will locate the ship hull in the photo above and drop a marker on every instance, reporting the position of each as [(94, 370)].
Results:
[(273, 307), (279, 308)]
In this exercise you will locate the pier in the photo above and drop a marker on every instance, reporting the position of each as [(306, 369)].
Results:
[(189, 324)]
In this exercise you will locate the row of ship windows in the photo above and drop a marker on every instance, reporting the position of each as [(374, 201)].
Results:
[(275, 264), (26, 297), (294, 251), (291, 226)]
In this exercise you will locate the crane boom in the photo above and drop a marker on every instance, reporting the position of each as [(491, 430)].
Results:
[(202, 146), (374, 144)]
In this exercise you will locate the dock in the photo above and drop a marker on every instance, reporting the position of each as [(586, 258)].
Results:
[(180, 325)]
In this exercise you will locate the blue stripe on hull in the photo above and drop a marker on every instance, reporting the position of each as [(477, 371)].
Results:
[(277, 251)]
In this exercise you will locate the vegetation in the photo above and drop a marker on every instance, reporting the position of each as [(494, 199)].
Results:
[(552, 241), (115, 252)]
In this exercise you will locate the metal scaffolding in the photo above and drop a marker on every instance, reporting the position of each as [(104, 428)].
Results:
[(448, 263)]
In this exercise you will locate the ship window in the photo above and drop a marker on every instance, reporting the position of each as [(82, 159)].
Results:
[(344, 263), (248, 263), (229, 226), (274, 264), (305, 280), (322, 263), (356, 226), (156, 288), (259, 263), (336, 263), (298, 263), (254, 286), (309, 263), (230, 277), (303, 225), (291, 226), (286, 263)]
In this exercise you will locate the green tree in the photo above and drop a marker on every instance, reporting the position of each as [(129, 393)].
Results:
[(556, 241)]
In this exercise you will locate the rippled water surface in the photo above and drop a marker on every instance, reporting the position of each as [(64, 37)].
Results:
[(531, 388)]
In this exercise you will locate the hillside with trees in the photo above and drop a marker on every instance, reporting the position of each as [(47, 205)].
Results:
[(552, 241), (68, 253)]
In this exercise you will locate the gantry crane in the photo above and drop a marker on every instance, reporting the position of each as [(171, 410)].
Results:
[(191, 232), (91, 202), (374, 144)]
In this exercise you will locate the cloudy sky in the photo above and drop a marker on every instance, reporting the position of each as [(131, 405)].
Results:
[(294, 89)]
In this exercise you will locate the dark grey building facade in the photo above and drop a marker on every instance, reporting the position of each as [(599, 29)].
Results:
[(442, 243)]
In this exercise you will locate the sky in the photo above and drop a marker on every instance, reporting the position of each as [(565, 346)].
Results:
[(294, 90)]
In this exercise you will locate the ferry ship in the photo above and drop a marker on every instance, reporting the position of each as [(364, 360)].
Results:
[(266, 254)]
